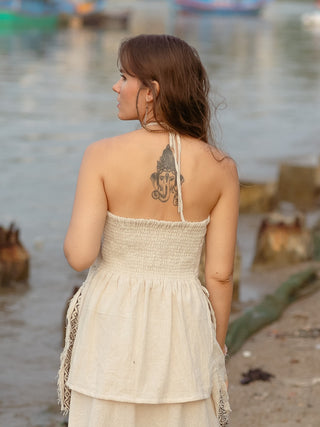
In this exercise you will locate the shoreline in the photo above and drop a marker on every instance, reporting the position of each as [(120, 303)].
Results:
[(291, 397)]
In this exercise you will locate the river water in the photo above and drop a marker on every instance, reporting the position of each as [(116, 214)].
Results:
[(56, 98)]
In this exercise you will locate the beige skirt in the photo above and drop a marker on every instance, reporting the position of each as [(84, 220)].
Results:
[(86, 411)]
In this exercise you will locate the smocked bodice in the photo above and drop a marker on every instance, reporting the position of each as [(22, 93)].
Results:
[(152, 247), (146, 331)]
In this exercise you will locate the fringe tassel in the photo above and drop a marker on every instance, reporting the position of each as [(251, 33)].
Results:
[(219, 394), (64, 392), (220, 400)]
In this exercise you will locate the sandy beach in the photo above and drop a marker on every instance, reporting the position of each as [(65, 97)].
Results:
[(291, 397)]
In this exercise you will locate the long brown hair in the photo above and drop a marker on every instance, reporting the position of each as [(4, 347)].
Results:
[(182, 104)]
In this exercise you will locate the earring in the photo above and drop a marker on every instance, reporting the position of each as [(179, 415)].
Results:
[(144, 122)]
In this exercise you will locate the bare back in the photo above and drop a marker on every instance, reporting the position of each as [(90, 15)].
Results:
[(139, 178), (132, 176)]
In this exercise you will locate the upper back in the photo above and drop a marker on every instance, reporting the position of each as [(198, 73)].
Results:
[(136, 169)]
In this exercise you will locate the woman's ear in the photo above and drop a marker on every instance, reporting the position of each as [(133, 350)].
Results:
[(150, 93)]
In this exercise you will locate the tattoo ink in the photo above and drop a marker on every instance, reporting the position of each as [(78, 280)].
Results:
[(165, 179)]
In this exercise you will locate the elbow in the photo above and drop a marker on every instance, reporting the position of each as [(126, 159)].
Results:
[(77, 266), (76, 260), (220, 278)]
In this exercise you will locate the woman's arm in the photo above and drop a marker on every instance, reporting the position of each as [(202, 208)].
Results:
[(220, 247), (83, 238)]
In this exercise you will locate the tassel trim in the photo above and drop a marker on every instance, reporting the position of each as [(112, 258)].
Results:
[(64, 392)]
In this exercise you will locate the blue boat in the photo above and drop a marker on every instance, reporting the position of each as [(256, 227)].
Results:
[(80, 7), (223, 7)]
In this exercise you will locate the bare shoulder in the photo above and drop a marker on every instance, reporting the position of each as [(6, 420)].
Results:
[(222, 170), (224, 163), (215, 160), (109, 146)]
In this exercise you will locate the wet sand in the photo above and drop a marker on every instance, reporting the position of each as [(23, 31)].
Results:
[(291, 398)]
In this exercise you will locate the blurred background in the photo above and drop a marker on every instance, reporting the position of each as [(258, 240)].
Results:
[(57, 67)]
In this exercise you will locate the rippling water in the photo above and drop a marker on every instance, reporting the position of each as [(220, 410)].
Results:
[(55, 98)]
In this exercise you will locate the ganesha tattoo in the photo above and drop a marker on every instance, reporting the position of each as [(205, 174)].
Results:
[(165, 179)]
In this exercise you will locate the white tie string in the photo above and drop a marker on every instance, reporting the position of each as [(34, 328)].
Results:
[(175, 145)]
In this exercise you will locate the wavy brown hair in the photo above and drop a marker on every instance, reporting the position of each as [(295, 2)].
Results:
[(182, 104)]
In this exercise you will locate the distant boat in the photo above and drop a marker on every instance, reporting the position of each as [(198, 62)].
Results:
[(91, 13), (223, 7), (24, 14), (80, 7)]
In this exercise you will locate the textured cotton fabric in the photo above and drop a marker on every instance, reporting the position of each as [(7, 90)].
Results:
[(88, 412), (146, 333), (141, 346)]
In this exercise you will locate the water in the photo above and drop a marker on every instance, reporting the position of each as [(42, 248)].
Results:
[(56, 98)]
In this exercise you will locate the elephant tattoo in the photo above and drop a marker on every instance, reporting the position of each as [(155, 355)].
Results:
[(165, 179)]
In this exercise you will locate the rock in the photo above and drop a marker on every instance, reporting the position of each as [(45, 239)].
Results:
[(14, 258), (282, 240), (257, 197), (255, 375), (236, 273), (299, 185)]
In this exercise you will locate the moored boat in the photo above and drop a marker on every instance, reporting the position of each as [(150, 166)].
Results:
[(224, 7), (91, 13), (24, 14)]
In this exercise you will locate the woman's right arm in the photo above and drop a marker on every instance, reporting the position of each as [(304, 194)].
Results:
[(220, 247), (83, 238)]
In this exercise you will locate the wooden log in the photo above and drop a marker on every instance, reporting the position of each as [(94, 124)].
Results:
[(282, 240), (270, 309), (14, 258), (299, 185), (257, 197)]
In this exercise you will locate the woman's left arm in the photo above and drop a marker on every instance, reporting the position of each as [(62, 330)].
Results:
[(220, 247), (83, 238)]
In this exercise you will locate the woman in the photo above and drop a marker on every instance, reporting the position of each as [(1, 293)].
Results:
[(150, 342)]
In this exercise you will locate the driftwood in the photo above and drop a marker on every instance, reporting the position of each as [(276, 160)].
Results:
[(257, 197), (299, 185), (14, 259), (282, 240), (270, 309)]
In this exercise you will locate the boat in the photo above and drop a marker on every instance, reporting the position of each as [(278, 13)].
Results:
[(223, 7), (27, 14), (90, 13), (80, 7)]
